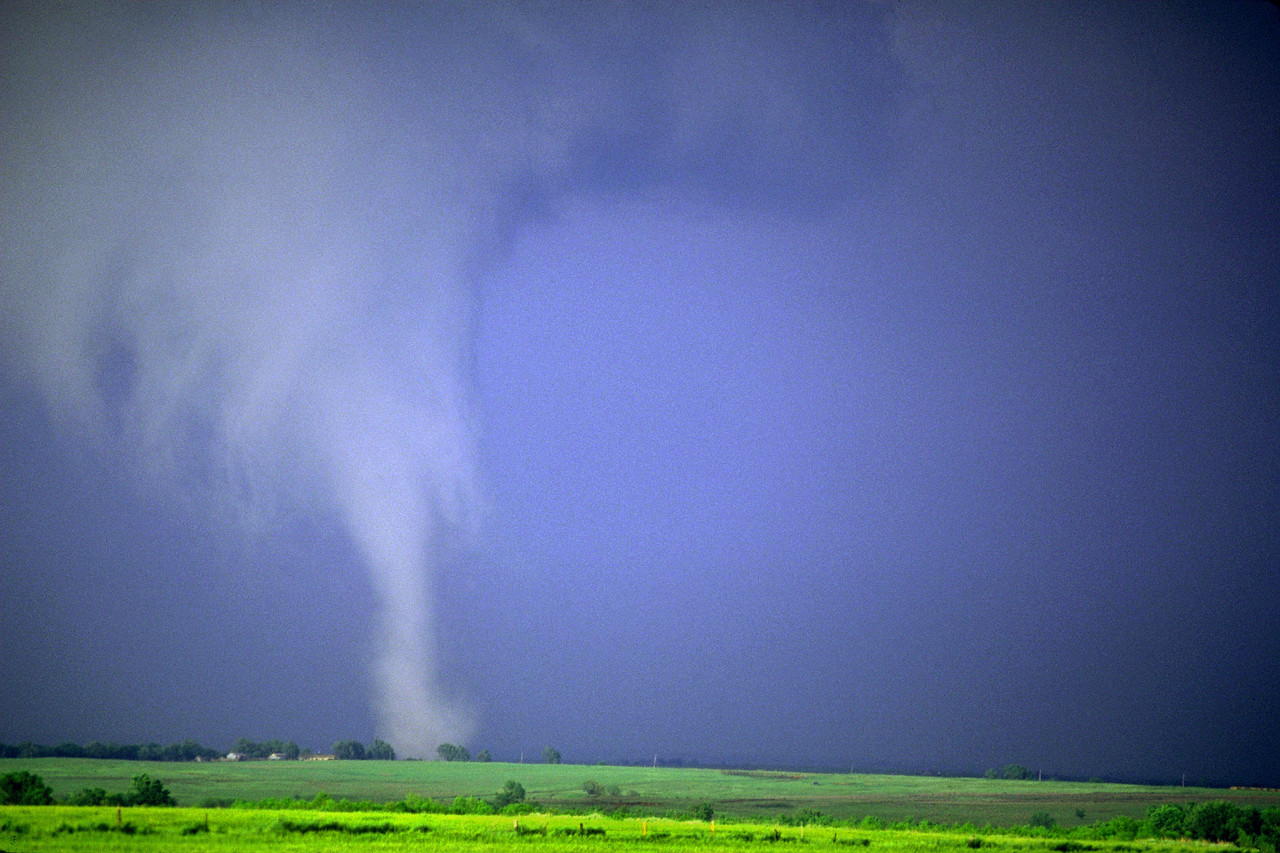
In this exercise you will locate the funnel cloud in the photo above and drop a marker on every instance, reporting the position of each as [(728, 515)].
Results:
[(199, 279)]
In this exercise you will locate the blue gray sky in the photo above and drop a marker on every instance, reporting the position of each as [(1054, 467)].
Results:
[(888, 386)]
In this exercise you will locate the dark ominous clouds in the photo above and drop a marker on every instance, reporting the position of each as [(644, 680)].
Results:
[(888, 386)]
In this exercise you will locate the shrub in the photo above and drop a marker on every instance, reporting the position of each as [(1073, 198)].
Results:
[(148, 792), (95, 797), (24, 789), (517, 808), (1166, 820), (1122, 826), (512, 792), (1044, 820), (470, 805), (704, 811), (1219, 820)]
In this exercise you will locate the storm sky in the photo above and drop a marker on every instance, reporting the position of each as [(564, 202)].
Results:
[(887, 386)]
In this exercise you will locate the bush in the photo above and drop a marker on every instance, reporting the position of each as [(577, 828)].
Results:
[(1166, 820), (512, 793), (24, 789), (1044, 820), (148, 792), (470, 805), (1122, 827), (96, 797), (416, 804), (1219, 820), (704, 811)]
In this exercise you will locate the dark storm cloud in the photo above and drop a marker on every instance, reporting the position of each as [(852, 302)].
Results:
[(707, 104), (854, 384)]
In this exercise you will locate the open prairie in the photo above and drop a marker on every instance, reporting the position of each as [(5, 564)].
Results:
[(734, 794), (56, 828)]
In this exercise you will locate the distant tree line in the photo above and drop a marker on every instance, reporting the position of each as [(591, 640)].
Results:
[(188, 750), (1010, 771), (454, 752), (266, 749), (354, 750)]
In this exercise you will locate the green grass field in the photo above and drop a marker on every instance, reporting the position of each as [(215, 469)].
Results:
[(66, 828), (735, 795)]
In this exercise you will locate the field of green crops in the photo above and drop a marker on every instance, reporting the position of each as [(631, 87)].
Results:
[(59, 828), (737, 795)]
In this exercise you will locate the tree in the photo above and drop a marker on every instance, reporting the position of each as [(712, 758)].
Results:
[(1017, 771), (551, 756), (452, 752), (382, 751), (148, 792), (512, 792), (1218, 820), (348, 750), (1166, 820), (483, 755), (95, 797), (24, 789)]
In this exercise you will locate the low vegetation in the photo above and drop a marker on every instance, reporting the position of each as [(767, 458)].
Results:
[(82, 828), (550, 806)]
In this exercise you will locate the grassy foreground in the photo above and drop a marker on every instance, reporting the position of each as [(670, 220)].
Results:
[(58, 828)]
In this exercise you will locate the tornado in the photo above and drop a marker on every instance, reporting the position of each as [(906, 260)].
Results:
[(238, 243)]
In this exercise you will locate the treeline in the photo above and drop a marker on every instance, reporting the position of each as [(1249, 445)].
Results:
[(28, 789), (353, 750), (188, 750), (1217, 820)]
